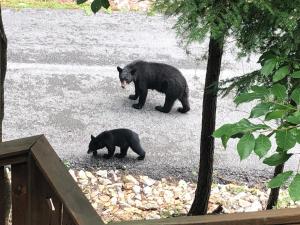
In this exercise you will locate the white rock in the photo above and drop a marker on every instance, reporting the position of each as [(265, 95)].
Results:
[(147, 181), (147, 190), (136, 189), (113, 200), (255, 206), (102, 173), (130, 179), (82, 175), (89, 174), (244, 204)]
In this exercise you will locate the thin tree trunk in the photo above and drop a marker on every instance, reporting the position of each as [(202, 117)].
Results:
[(200, 204), (273, 197), (4, 182)]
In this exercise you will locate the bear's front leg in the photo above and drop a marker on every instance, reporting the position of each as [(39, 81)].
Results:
[(136, 95), (111, 151), (142, 100), (94, 153)]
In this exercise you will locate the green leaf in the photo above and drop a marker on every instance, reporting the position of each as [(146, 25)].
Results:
[(281, 73), (260, 109), (81, 1), (279, 91), (277, 159), (243, 126), (96, 6), (277, 114), (225, 139), (280, 179), (260, 90), (262, 145), (285, 139), (268, 66), (246, 145), (294, 188), (296, 74), (296, 96), (294, 118), (247, 97), (223, 130), (105, 4), (297, 135)]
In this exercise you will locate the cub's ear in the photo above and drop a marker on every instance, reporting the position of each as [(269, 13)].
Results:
[(92, 137), (133, 71), (119, 69)]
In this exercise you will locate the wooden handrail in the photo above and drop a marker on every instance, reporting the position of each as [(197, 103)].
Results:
[(63, 184), (274, 217), (38, 172), (41, 182)]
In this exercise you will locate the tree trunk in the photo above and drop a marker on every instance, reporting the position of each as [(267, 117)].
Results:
[(273, 197), (200, 204), (5, 201)]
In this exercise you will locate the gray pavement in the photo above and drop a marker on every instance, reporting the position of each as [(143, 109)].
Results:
[(62, 81)]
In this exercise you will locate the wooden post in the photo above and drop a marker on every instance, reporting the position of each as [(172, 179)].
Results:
[(19, 192), (2, 201)]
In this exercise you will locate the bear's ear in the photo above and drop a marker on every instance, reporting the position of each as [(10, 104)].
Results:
[(119, 69), (133, 71), (92, 137)]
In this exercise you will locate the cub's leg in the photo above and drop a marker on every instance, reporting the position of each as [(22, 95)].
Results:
[(123, 152), (169, 102), (185, 104), (135, 145), (111, 151), (94, 153), (142, 99), (136, 95)]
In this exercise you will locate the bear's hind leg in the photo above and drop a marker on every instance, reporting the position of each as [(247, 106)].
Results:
[(137, 148), (169, 102), (185, 104)]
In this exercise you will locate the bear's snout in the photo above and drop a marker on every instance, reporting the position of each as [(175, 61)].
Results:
[(123, 84)]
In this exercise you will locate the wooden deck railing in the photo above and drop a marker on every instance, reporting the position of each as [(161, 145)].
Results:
[(44, 193)]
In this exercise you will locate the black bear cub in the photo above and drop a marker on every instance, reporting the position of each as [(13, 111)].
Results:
[(158, 76), (123, 138)]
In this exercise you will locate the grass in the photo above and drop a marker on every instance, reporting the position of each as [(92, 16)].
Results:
[(49, 4)]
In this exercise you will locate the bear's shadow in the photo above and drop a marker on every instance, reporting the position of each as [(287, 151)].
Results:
[(100, 158)]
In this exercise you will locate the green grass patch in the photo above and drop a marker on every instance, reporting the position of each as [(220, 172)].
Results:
[(49, 4)]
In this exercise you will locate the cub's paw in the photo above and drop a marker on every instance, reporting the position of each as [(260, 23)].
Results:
[(141, 158), (183, 110), (107, 156), (137, 106), (119, 155), (161, 109), (133, 97)]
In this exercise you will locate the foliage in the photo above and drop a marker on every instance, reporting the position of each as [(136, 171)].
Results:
[(96, 5), (256, 25), (278, 101)]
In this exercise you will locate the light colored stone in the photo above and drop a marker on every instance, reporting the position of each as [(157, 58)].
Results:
[(82, 175), (130, 179), (255, 206), (136, 189), (102, 173), (147, 190), (147, 181), (243, 203)]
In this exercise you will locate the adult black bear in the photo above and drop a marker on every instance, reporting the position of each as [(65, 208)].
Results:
[(161, 77), (123, 138)]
